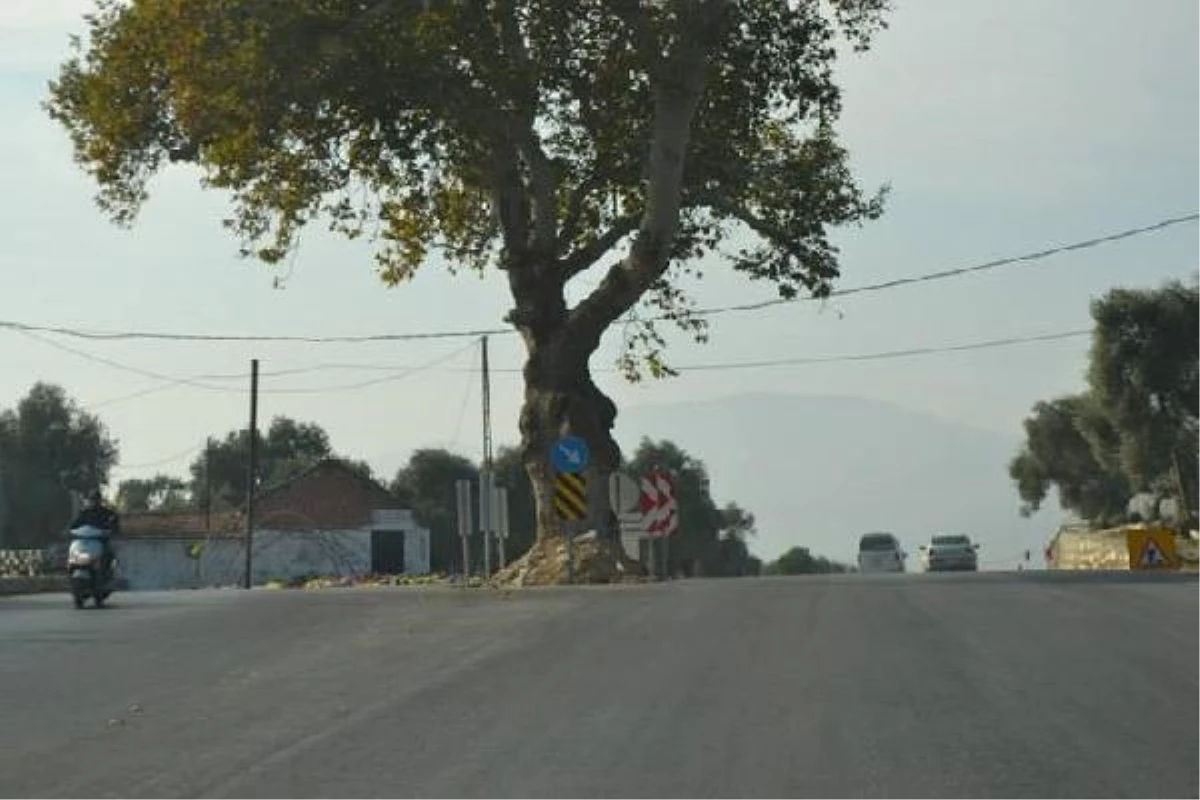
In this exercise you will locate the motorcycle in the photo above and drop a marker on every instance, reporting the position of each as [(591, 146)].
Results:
[(85, 566)]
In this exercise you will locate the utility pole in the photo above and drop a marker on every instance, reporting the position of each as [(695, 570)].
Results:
[(208, 448), (250, 482), (486, 497), (3, 507)]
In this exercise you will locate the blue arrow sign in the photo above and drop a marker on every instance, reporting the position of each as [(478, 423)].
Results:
[(570, 454)]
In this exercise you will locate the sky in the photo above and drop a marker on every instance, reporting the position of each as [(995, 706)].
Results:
[(1002, 127)]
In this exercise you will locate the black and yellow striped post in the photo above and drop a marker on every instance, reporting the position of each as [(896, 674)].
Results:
[(570, 497)]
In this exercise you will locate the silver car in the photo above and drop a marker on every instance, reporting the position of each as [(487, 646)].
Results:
[(880, 552), (950, 552)]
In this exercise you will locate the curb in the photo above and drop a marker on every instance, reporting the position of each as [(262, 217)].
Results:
[(33, 585)]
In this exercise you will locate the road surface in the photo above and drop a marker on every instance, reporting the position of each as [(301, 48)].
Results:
[(1011, 685)]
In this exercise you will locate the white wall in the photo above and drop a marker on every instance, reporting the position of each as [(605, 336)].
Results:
[(416, 551), (151, 564)]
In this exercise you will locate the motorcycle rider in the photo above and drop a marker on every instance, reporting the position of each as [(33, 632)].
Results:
[(98, 515)]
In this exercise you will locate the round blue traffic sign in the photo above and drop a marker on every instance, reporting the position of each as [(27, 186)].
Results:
[(570, 454)]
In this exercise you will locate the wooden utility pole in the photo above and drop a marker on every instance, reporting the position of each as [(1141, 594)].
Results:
[(250, 481), (486, 495), (208, 449)]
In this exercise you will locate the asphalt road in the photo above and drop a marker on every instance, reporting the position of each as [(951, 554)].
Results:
[(990, 685)]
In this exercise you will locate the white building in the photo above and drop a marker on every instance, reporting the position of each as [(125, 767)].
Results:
[(327, 520)]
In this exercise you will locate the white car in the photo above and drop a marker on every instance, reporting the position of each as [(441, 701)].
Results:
[(950, 552), (880, 552)]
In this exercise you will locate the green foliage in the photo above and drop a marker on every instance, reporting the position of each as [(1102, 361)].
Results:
[(1071, 444), (288, 448), (1143, 372), (710, 540), (427, 484), (799, 561), (160, 493), (1135, 429), (544, 133), (49, 449)]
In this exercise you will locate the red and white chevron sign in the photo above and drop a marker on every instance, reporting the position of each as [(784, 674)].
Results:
[(659, 508)]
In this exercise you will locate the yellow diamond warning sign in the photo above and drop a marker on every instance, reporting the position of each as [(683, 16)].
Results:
[(1152, 548)]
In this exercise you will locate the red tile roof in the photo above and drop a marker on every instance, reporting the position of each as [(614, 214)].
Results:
[(327, 496)]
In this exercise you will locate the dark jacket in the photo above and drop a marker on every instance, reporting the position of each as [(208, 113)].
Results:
[(99, 517)]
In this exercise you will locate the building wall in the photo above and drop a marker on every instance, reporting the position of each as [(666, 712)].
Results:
[(165, 563), (416, 551)]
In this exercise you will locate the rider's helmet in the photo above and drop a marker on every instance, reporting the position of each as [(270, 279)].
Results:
[(93, 499)]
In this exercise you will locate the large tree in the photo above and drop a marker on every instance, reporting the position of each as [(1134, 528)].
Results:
[(697, 545), (287, 448), (1143, 371), (159, 493), (799, 561), (427, 484), (49, 449), (1072, 445), (545, 137)]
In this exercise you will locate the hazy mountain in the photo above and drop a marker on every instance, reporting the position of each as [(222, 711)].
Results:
[(820, 471)]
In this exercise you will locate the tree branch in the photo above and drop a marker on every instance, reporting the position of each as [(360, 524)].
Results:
[(570, 226), (541, 176), (584, 257), (543, 189), (721, 203), (678, 86)]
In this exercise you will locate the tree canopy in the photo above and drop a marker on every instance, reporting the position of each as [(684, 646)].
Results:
[(1071, 444), (287, 448), (159, 493), (799, 561), (427, 484), (710, 540), (545, 137), (1135, 429), (49, 449)]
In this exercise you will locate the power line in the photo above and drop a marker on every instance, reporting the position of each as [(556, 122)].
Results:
[(121, 366), (167, 460), (399, 373), (1039, 255), (889, 354), (959, 271)]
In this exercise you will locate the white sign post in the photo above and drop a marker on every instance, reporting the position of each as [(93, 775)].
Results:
[(462, 492), (500, 518)]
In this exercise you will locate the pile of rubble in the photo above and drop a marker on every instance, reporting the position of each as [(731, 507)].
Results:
[(596, 561), (332, 581)]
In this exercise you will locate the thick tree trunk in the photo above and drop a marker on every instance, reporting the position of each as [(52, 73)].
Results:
[(562, 399)]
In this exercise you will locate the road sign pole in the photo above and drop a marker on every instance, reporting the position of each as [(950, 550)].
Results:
[(500, 504), (251, 474), (570, 553), (485, 519), (462, 490)]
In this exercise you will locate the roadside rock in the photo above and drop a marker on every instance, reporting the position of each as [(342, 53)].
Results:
[(596, 561)]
